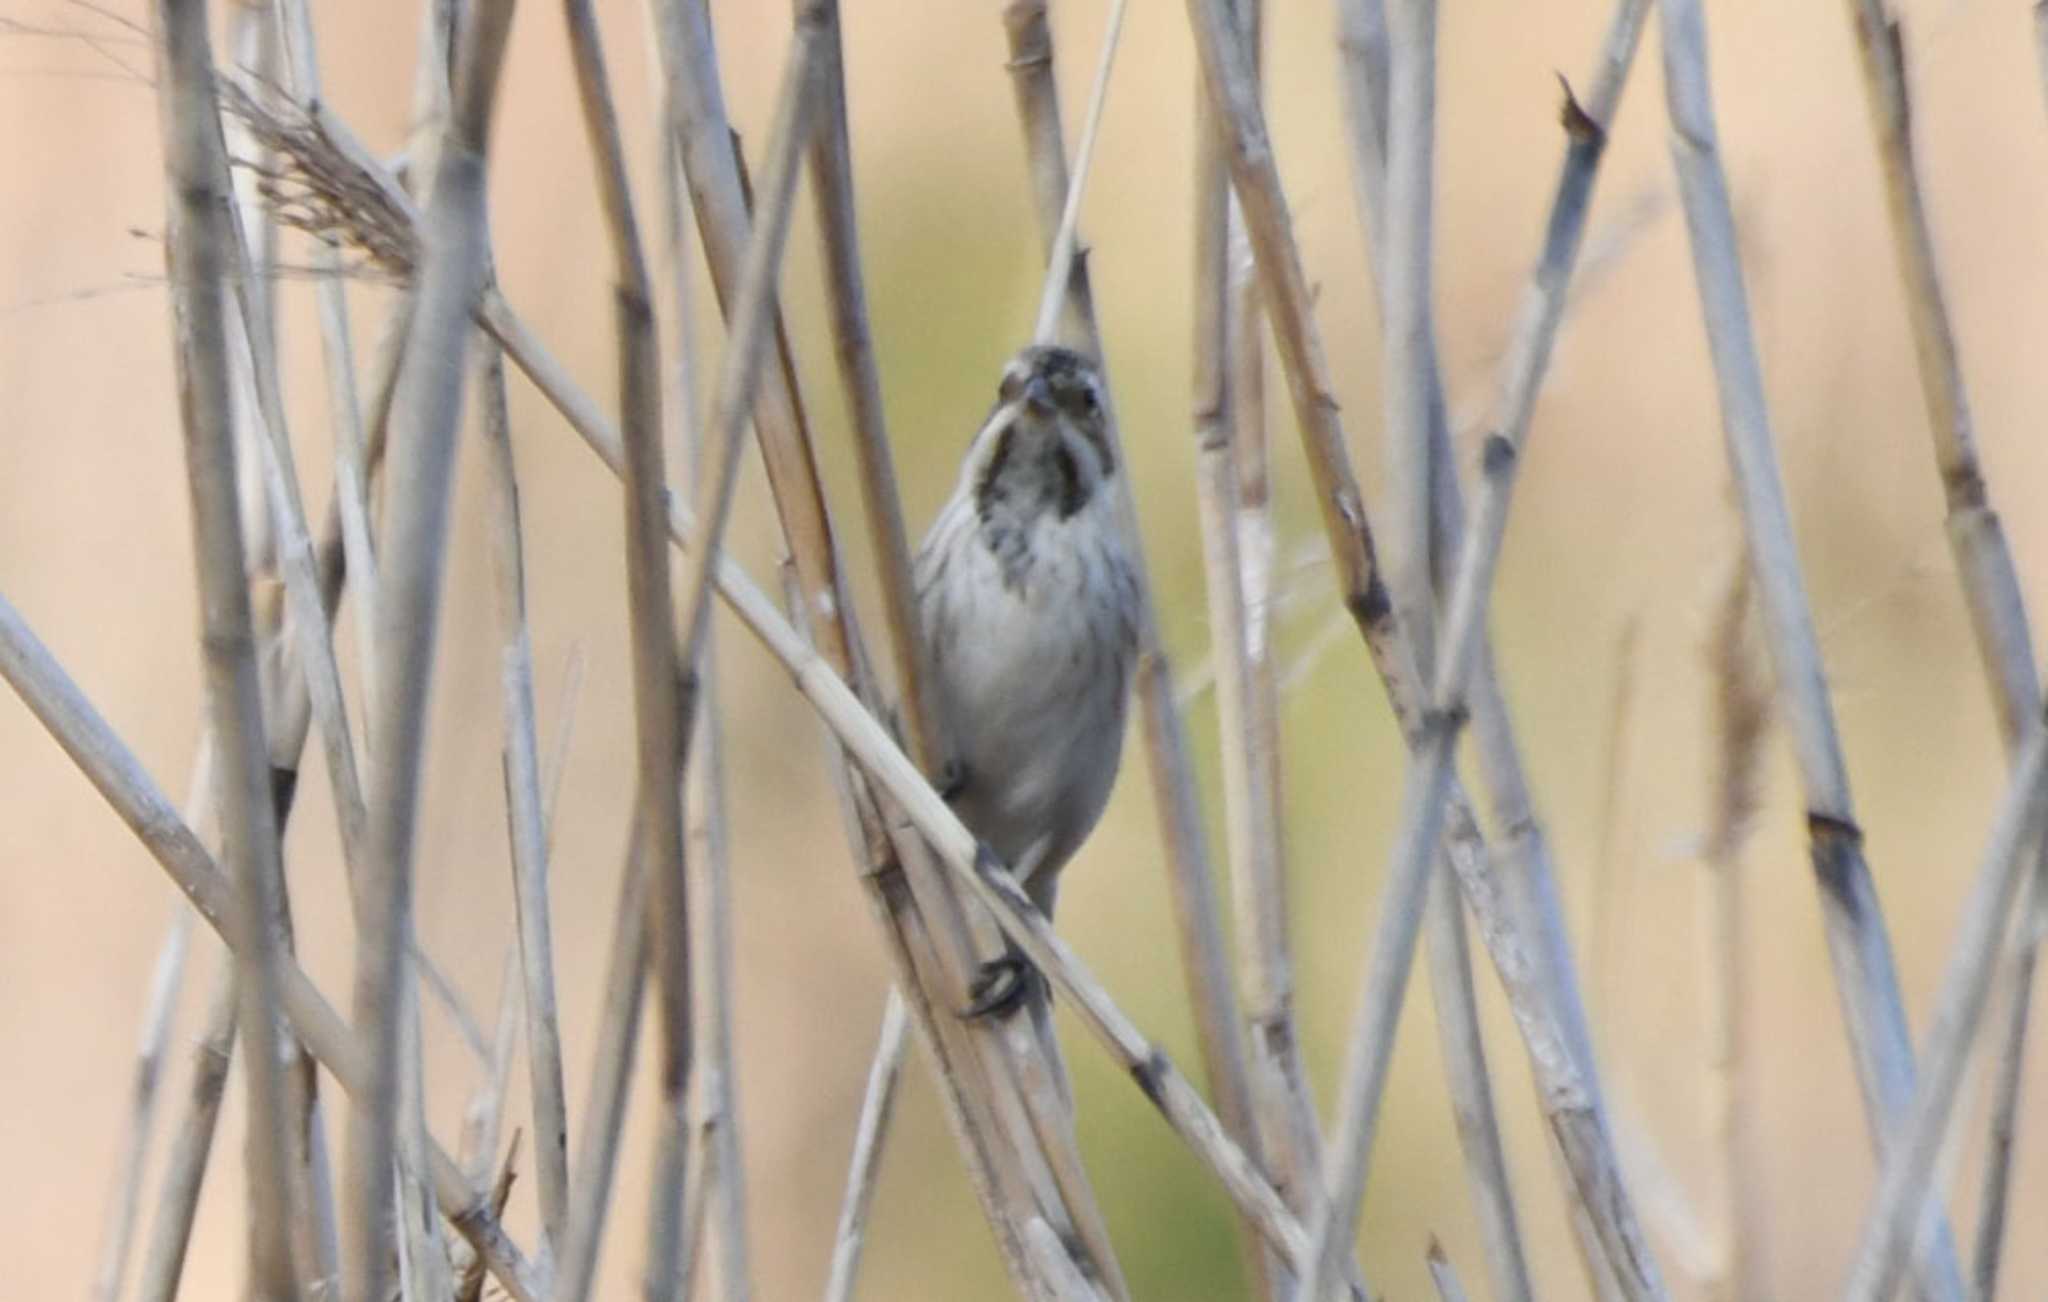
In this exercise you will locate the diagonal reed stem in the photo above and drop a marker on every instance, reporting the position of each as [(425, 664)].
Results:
[(1858, 943)]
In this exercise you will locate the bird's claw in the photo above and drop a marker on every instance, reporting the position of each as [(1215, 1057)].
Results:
[(1000, 987)]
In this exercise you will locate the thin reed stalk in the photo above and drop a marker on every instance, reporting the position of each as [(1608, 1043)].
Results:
[(1197, 916), (1237, 533), (290, 549), (470, 1286), (1443, 1275), (1910, 1178), (483, 1120), (1470, 1088), (720, 1189), (661, 708), (177, 1204), (1067, 233), (1857, 940), (199, 256), (1062, 1277), (167, 976), (611, 1075), (1417, 566), (831, 165), (425, 415), (885, 1072), (753, 311), (344, 405), (525, 812), (720, 1193), (1977, 542)]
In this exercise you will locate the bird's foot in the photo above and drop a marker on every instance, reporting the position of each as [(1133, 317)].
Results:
[(1001, 987)]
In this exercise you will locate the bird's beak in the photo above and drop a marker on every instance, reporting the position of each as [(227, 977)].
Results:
[(1038, 396)]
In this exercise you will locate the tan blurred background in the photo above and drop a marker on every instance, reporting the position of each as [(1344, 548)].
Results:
[(1621, 522)]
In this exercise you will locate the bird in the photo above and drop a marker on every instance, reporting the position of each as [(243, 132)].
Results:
[(1027, 598)]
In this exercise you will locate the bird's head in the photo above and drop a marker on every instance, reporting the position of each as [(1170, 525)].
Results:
[(1045, 446)]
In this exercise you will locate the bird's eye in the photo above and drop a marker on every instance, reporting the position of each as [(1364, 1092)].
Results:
[(1087, 401)]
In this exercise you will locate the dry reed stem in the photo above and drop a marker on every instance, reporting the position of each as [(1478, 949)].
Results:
[(426, 412), (703, 137), (470, 1287), (753, 310), (2008, 1075), (293, 546), (662, 701), (483, 1119), (166, 975), (1907, 1186), (166, 978), (1204, 956), (752, 314), (345, 417), (1063, 1279), (1418, 460), (1059, 259), (177, 1202), (291, 550), (831, 163), (120, 779), (526, 818), (199, 254), (860, 379), (720, 1188), (885, 1072), (1237, 533), (1857, 940), (611, 1075), (1983, 560), (424, 1257), (1443, 1276), (252, 44), (1470, 1088)]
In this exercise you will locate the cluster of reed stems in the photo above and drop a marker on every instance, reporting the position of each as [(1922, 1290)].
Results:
[(404, 1214)]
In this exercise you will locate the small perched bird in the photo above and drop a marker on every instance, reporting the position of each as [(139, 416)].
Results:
[(1029, 605)]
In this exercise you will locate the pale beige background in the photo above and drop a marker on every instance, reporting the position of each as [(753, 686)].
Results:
[(1621, 518)]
